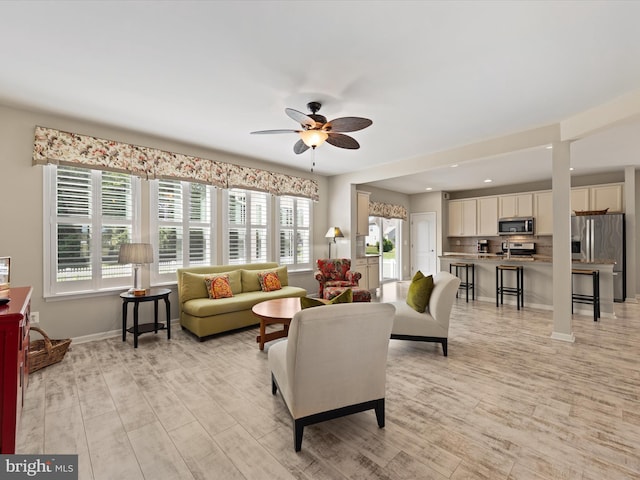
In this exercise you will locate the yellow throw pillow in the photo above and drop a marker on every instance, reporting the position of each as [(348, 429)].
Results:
[(420, 292), (269, 281), (344, 297), (218, 286)]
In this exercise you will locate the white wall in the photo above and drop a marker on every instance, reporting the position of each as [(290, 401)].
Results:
[(21, 219)]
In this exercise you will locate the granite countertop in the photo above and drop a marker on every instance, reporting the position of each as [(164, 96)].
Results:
[(514, 258)]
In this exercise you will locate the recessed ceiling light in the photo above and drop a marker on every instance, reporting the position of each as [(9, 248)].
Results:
[(571, 169), (454, 165), (428, 189), (488, 180), (549, 147)]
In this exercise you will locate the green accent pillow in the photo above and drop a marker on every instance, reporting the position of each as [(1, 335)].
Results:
[(308, 302), (344, 297), (417, 276), (420, 292)]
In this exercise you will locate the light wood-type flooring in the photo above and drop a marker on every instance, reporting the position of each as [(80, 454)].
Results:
[(507, 403)]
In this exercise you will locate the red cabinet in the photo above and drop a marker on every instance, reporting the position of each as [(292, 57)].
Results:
[(14, 363)]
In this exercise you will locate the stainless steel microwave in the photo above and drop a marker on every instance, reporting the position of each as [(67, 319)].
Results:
[(515, 226)]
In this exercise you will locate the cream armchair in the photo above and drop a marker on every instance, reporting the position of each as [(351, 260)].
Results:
[(333, 363), (432, 325)]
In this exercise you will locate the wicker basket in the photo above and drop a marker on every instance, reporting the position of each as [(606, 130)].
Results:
[(582, 213), (45, 352)]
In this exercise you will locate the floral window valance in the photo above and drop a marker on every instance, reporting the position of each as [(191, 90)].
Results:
[(65, 148), (387, 210)]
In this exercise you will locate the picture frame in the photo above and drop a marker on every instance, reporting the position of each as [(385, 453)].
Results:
[(5, 273)]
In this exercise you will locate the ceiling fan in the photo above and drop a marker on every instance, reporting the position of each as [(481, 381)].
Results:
[(316, 129)]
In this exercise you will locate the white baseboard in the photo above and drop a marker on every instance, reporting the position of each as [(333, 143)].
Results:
[(113, 333), (564, 337)]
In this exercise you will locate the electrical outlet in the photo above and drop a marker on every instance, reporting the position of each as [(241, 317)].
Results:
[(34, 317)]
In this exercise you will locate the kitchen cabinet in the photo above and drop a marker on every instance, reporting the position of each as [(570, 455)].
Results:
[(462, 218), (362, 227), (369, 267), (543, 213), (598, 197), (520, 205), (14, 363), (580, 199), (607, 196), (488, 216)]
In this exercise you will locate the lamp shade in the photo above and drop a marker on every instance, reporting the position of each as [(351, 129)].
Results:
[(334, 232), (313, 138), (135, 253)]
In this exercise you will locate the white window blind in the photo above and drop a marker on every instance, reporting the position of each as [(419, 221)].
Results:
[(294, 232), (91, 214), (247, 222), (183, 224)]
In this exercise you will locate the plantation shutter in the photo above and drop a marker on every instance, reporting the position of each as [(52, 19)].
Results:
[(258, 230), (117, 215), (294, 223), (303, 226), (237, 218), (287, 231), (94, 215), (74, 205), (199, 224), (170, 233)]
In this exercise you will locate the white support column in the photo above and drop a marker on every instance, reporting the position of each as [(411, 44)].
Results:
[(630, 220), (561, 191)]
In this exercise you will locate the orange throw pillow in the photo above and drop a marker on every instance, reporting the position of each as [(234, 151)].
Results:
[(218, 286), (269, 281)]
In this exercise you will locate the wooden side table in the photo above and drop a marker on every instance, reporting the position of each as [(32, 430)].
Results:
[(152, 295), (270, 312)]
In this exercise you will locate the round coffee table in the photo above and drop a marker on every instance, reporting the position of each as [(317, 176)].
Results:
[(270, 312)]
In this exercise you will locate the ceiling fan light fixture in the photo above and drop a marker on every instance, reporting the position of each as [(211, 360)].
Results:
[(313, 138)]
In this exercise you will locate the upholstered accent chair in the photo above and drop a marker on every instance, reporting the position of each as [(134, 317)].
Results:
[(333, 363), (433, 324), (335, 272)]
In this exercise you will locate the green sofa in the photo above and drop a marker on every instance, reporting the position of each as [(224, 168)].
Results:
[(203, 316)]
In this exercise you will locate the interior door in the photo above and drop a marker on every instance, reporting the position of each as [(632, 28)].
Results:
[(423, 243)]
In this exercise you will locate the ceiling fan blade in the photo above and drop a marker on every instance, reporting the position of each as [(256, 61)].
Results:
[(342, 141), (262, 132), (347, 124), (301, 118), (300, 147)]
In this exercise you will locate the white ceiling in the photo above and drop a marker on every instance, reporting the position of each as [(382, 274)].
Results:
[(431, 75)]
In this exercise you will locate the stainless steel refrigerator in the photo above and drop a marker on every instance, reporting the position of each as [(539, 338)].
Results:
[(600, 238)]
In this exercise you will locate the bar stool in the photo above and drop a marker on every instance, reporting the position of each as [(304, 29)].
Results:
[(466, 285), (584, 298), (517, 291)]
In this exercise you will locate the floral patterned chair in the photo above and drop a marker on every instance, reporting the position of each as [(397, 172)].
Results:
[(335, 272)]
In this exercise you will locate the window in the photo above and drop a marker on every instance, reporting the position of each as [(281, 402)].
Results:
[(247, 220), (182, 227), (294, 232), (93, 212)]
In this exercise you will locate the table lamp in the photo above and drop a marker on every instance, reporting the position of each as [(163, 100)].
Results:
[(136, 254), (333, 233)]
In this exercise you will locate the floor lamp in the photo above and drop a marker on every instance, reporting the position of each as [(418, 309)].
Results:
[(333, 233)]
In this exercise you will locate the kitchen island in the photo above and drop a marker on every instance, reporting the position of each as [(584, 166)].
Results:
[(538, 280)]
